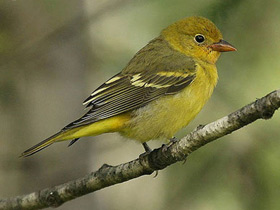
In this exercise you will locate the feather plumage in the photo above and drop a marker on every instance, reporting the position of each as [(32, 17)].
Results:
[(127, 91)]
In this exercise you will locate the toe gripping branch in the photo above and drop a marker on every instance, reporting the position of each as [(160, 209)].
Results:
[(162, 157)]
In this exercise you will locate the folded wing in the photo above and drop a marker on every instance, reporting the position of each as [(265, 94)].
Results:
[(124, 92)]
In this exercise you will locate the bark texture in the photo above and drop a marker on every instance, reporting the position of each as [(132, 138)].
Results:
[(146, 164)]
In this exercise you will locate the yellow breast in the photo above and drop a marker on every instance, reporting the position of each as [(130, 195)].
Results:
[(162, 118)]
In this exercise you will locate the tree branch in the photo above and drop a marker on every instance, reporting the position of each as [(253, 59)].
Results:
[(158, 159)]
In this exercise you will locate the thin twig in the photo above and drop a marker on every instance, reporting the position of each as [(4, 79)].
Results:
[(158, 159)]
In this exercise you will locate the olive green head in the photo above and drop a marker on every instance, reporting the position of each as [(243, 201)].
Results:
[(197, 37)]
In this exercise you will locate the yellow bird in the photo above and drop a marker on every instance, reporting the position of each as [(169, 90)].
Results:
[(162, 88)]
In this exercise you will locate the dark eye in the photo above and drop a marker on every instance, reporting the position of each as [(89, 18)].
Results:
[(199, 38)]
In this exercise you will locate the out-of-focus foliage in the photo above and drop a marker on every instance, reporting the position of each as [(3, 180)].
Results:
[(54, 53)]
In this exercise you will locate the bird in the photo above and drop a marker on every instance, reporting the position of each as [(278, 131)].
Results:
[(161, 89)]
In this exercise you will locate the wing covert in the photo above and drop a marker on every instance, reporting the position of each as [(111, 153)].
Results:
[(123, 93)]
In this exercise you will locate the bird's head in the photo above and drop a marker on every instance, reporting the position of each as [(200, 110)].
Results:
[(197, 37)]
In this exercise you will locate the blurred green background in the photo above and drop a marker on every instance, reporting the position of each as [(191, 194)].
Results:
[(54, 53)]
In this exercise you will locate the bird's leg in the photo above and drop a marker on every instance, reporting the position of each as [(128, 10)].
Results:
[(146, 147), (147, 151)]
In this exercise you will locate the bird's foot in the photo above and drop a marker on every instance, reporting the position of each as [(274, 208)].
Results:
[(185, 160), (199, 127), (173, 140), (164, 147), (148, 150)]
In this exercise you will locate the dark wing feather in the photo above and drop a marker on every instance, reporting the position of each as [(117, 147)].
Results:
[(127, 93)]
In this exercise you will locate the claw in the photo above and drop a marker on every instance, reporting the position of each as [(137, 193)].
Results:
[(199, 127), (156, 174), (164, 147), (184, 161), (173, 139)]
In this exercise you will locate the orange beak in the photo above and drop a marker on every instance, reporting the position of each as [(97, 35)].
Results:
[(222, 46)]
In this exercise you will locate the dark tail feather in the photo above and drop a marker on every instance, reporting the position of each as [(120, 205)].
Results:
[(42, 145), (73, 141)]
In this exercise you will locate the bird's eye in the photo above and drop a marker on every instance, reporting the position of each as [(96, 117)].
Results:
[(199, 38)]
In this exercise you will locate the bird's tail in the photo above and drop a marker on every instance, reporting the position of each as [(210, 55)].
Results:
[(112, 124), (41, 145), (64, 134)]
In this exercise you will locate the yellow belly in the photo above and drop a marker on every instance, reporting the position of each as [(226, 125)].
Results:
[(162, 118)]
